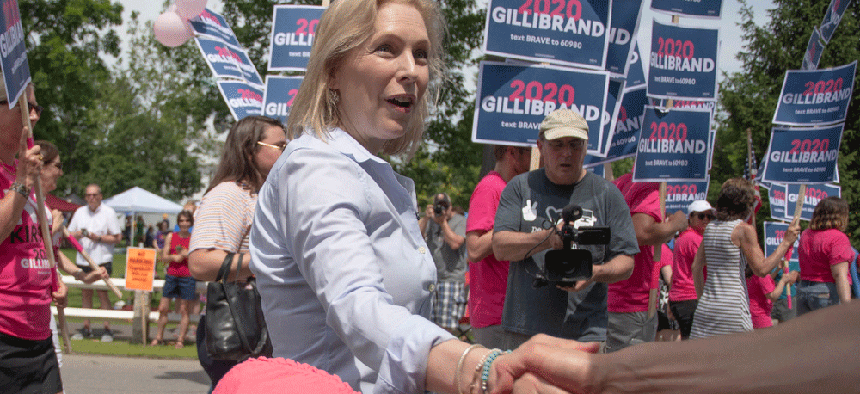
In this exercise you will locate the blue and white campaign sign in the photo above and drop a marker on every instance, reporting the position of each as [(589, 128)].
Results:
[(679, 195), (695, 8), (249, 71), (683, 62), (814, 195), (625, 18), (293, 31), (16, 67), (211, 23), (807, 155), (778, 201), (610, 113), (631, 114), (513, 101), (279, 95), (774, 232), (814, 49), (223, 59), (566, 32), (595, 165), (674, 146), (815, 97), (243, 98), (831, 19), (635, 72)]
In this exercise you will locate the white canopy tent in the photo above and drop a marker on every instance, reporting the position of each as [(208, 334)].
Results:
[(139, 201)]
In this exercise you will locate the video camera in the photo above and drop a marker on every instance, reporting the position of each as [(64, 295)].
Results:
[(566, 266), (440, 205)]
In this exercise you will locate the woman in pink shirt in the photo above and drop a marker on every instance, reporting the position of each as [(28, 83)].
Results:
[(682, 293), (824, 253)]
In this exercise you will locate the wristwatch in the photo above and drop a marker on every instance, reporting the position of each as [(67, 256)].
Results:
[(20, 189)]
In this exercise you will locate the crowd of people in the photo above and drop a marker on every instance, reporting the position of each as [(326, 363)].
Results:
[(357, 283)]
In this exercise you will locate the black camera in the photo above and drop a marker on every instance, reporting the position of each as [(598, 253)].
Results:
[(440, 205), (439, 209), (566, 266)]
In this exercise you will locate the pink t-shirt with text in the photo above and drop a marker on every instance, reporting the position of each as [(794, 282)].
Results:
[(760, 305), (631, 295), (819, 250), (26, 275), (488, 278)]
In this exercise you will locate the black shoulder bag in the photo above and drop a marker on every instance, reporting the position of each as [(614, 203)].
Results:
[(235, 327)]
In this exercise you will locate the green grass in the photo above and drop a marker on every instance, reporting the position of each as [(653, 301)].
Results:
[(126, 349)]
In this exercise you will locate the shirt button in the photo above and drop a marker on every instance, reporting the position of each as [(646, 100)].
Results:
[(422, 250), (431, 287)]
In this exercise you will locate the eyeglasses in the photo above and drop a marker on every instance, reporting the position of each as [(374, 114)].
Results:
[(278, 147), (703, 216), (92, 195), (33, 106)]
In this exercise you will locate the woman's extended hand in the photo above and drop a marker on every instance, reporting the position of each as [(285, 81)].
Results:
[(544, 362)]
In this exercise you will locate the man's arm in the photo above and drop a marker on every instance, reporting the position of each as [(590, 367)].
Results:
[(651, 232), (516, 246), (479, 245), (618, 268), (454, 240)]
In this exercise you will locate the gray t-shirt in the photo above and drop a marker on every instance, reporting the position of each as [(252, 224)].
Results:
[(548, 310), (450, 263)]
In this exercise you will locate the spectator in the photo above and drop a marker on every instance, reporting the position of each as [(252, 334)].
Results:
[(728, 246), (762, 292), (179, 285), (525, 230), (95, 225), (824, 253), (227, 209), (682, 294), (488, 277)]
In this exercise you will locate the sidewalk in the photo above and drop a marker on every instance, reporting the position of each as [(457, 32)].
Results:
[(90, 374)]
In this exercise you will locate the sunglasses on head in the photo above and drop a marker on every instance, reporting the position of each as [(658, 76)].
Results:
[(703, 215), (33, 106)]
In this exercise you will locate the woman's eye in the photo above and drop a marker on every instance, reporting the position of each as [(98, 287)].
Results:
[(384, 48), (421, 54)]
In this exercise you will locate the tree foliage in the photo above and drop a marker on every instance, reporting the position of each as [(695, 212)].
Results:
[(749, 97)]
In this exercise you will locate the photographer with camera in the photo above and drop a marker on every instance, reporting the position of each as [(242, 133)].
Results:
[(528, 225), (445, 233)]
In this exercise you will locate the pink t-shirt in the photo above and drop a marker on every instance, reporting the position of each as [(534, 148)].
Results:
[(488, 278), (631, 295), (760, 305), (819, 250), (26, 274), (665, 259), (683, 288)]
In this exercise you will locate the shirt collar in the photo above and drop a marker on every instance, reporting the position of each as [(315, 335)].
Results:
[(347, 144)]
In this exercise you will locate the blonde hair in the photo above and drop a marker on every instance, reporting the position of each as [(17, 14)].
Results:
[(345, 25)]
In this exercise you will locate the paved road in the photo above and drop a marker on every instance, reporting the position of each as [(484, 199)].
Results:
[(89, 374)]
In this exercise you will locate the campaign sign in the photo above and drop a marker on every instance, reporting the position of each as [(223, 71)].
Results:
[(814, 195), (673, 146), (16, 67), (249, 71), (807, 155), (242, 98), (696, 8), (679, 195), (778, 201), (683, 62), (622, 35), (566, 32), (628, 124), (774, 232), (831, 19), (594, 164), (222, 59), (815, 97), (635, 72), (279, 95), (213, 24), (814, 49), (293, 31), (513, 100), (610, 113)]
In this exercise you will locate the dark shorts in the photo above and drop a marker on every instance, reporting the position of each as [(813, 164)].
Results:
[(108, 267), (780, 310), (182, 287), (683, 312), (28, 366)]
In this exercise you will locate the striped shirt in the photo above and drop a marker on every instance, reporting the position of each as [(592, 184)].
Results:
[(223, 219), (724, 305)]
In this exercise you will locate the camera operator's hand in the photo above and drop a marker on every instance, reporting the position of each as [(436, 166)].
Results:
[(580, 285), (555, 239)]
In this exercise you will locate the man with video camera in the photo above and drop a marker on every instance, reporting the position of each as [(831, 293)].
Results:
[(445, 233), (568, 298)]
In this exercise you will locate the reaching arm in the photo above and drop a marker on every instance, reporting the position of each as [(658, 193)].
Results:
[(840, 277), (516, 246), (27, 174), (650, 232), (747, 239), (479, 245), (780, 286), (454, 240)]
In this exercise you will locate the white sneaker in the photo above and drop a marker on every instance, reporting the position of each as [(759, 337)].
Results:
[(107, 336)]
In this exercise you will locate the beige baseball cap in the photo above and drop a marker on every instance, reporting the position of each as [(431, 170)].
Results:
[(563, 123)]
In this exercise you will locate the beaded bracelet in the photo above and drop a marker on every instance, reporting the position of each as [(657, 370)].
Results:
[(460, 366), (485, 371)]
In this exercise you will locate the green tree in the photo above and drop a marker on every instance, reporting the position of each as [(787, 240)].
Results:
[(749, 97)]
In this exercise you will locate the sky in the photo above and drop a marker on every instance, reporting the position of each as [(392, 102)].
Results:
[(730, 33)]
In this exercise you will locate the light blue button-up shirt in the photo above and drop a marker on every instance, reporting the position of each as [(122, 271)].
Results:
[(343, 271)]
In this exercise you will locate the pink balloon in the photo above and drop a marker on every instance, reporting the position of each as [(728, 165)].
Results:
[(188, 9), (171, 29)]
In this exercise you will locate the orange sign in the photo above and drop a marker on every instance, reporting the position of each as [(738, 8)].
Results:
[(139, 269)]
